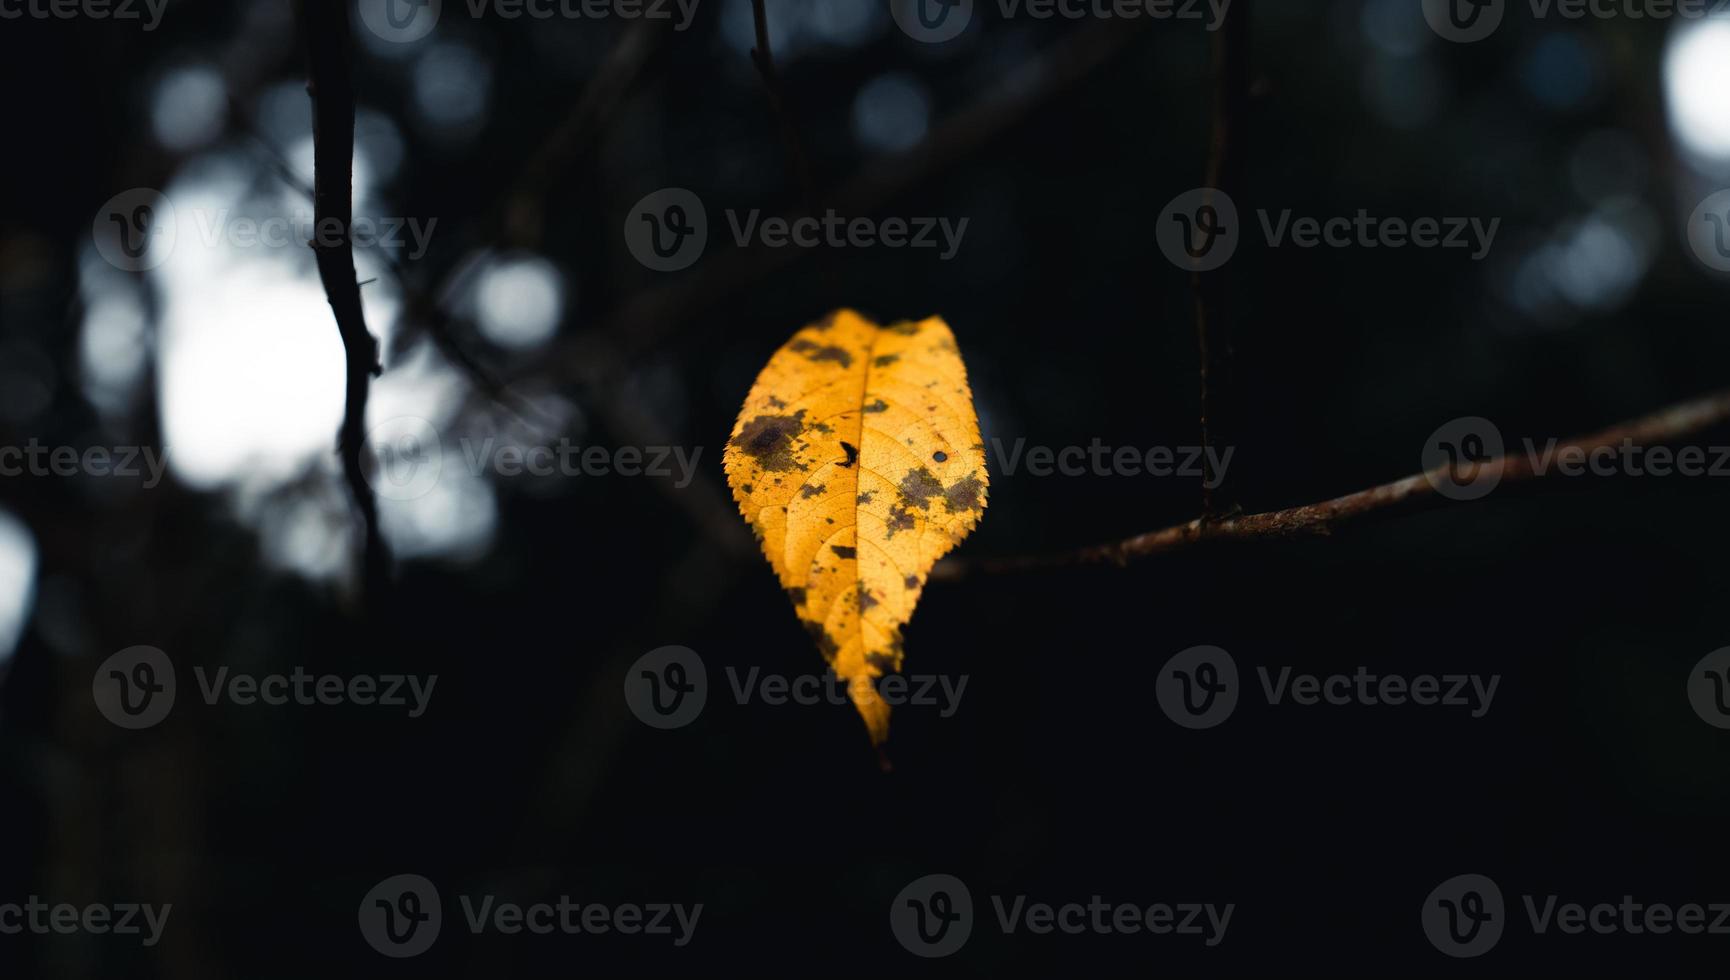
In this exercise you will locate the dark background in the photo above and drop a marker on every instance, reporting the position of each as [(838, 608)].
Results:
[(1059, 778)]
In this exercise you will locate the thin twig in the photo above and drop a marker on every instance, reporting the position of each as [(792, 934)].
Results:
[(329, 83), (764, 58), (1413, 492), (1212, 289)]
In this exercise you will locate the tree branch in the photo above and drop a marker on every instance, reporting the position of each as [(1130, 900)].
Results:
[(326, 25), (1411, 493)]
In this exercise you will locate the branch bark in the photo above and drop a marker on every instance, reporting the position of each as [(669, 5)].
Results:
[(1411, 493), (331, 86)]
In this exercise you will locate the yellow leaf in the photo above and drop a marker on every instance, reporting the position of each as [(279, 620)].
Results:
[(857, 461)]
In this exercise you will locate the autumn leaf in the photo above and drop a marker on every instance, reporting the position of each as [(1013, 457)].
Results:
[(857, 461)]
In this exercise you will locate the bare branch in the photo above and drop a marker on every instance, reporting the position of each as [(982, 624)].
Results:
[(331, 86), (1413, 492)]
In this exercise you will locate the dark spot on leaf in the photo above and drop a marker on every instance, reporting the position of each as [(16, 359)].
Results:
[(877, 406), (769, 440), (776, 402), (884, 360), (964, 495), (881, 662), (816, 353), (844, 550), (811, 490), (905, 328), (866, 599), (940, 456), (852, 452), (865, 498), (900, 519), (823, 427), (748, 489), (918, 487), (912, 582), (797, 594)]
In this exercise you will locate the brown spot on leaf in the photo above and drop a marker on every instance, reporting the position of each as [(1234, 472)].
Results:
[(845, 551), (865, 497), (884, 360), (866, 599), (769, 440), (900, 519), (964, 495), (877, 406), (816, 353), (811, 490), (797, 594), (852, 452), (912, 582), (918, 487), (905, 328)]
